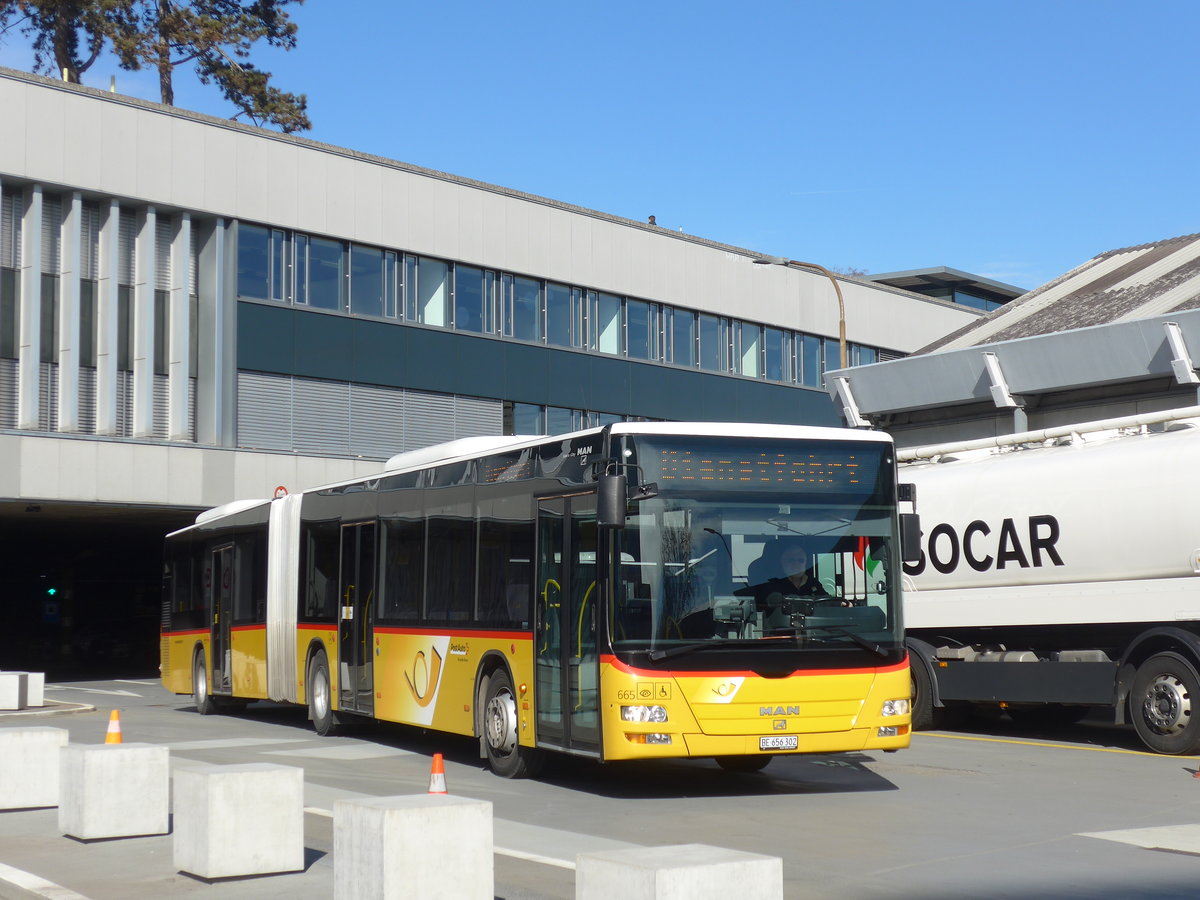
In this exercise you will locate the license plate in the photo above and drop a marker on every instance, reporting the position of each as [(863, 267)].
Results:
[(779, 742)]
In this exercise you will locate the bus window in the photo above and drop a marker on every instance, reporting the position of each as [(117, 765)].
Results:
[(322, 545), (403, 570)]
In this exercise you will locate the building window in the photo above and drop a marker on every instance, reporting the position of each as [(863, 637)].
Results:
[(524, 313), (714, 343), (325, 271), (367, 280), (432, 291), (254, 261), (641, 332), (558, 315), (681, 329), (468, 299), (607, 330), (776, 355), (809, 362)]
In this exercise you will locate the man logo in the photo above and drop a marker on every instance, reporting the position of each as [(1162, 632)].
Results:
[(779, 710), (779, 724)]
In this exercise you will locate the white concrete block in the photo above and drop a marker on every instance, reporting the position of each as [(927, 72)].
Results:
[(423, 845), (682, 872), (29, 774), (35, 688), (239, 820), (14, 690), (113, 790)]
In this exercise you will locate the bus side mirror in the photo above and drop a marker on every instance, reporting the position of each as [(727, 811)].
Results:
[(612, 501), (910, 537)]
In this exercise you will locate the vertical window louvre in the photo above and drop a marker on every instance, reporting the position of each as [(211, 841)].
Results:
[(51, 233), (125, 245), (162, 252)]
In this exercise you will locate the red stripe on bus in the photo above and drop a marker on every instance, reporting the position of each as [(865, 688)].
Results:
[(650, 673), (430, 632)]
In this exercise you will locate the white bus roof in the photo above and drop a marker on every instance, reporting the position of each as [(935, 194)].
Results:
[(472, 447)]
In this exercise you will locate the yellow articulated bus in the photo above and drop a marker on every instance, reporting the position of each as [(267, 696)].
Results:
[(638, 591)]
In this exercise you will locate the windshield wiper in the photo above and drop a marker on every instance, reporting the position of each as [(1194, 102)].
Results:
[(656, 655), (857, 638)]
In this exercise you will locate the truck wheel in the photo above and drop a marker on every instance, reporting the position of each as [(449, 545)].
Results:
[(501, 738), (205, 704), (320, 696), (1165, 704)]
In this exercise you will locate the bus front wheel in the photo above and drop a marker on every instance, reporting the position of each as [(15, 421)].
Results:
[(205, 705), (506, 756), (320, 696)]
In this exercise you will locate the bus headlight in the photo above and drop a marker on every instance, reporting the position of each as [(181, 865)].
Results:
[(643, 714), (895, 708)]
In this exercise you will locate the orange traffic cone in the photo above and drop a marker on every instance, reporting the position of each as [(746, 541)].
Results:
[(437, 776), (114, 729)]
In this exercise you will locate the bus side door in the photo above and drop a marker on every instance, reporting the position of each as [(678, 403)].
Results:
[(567, 665)]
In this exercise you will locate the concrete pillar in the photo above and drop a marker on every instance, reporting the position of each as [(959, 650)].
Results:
[(29, 776), (216, 367), (178, 340), (144, 271), (683, 872), (424, 845), (71, 232), (30, 338), (107, 307), (113, 790), (239, 820)]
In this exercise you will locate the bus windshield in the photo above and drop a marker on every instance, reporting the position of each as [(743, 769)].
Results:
[(759, 546)]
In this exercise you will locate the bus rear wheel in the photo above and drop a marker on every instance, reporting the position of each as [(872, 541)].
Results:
[(205, 704), (320, 696), (501, 735), (1165, 704)]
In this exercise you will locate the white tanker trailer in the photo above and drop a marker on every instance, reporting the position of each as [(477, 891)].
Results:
[(1060, 570)]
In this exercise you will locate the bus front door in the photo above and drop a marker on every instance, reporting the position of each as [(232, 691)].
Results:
[(222, 561), (567, 665), (357, 592)]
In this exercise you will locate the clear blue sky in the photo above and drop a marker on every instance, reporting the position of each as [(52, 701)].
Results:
[(1010, 139)]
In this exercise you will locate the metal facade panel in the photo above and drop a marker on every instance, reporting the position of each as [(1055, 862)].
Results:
[(429, 419), (376, 420), (8, 393), (474, 416), (264, 411), (321, 422)]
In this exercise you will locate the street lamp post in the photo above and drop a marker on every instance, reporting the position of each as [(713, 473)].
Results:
[(795, 263)]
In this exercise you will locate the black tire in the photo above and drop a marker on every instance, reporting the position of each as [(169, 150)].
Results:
[(744, 763), (501, 732), (319, 689), (1165, 704), (205, 704), (924, 714)]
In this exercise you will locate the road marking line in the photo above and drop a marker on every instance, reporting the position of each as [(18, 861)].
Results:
[(37, 885), (1050, 744), (1172, 838)]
